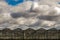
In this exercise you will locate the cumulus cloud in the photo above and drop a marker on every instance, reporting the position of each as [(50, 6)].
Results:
[(19, 8), (29, 14)]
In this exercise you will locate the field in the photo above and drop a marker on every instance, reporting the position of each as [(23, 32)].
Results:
[(30, 34)]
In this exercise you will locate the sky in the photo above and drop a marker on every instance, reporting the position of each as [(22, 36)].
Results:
[(14, 2)]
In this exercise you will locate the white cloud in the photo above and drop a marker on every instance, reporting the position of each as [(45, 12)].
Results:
[(6, 9), (19, 8)]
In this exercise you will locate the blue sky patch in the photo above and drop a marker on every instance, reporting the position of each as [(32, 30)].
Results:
[(14, 2)]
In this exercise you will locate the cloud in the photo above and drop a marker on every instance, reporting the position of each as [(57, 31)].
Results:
[(19, 8)]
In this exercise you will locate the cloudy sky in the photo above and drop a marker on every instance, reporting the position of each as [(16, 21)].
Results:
[(10, 6), (14, 5)]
